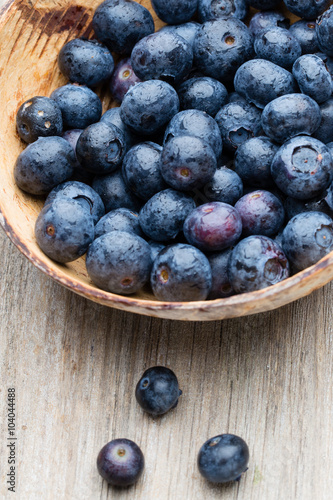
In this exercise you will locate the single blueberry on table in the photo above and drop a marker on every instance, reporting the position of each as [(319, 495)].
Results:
[(307, 238), (290, 115), (187, 162), (85, 61), (279, 46), (119, 262), (120, 24), (79, 105), (253, 161), (313, 78), (302, 167), (305, 32), (174, 11), (324, 132), (101, 148), (158, 391), (112, 117), (149, 106), (205, 94), (267, 19), (141, 170), (162, 217), (80, 192), (115, 193), (324, 30), (213, 226), (64, 229), (225, 186), (221, 46), (213, 9), (260, 81), (181, 273), (187, 30), (223, 458), (44, 164), (221, 287), (123, 78), (307, 9), (163, 55), (256, 262), (38, 117), (120, 462), (121, 219)]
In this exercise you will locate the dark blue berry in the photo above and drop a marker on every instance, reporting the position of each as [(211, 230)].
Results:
[(155, 248), (80, 175), (302, 168), (328, 61), (181, 273), (64, 229), (187, 162), (101, 148), (163, 55), (162, 217), (221, 287), (289, 116), (205, 94), (187, 30), (38, 117), (213, 226), (86, 61), (213, 9), (305, 32), (148, 106), (268, 19), (44, 164), (320, 203), (308, 9), (279, 46), (121, 219), (255, 263), (324, 132), (112, 117), (173, 11), (79, 105), (225, 186), (223, 458), (264, 4), (120, 24), (253, 161), (119, 262), (261, 81), (313, 77), (157, 391), (123, 78), (307, 238), (120, 462), (115, 193), (324, 30)]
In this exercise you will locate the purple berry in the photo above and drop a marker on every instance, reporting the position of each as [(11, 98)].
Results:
[(120, 462), (123, 78)]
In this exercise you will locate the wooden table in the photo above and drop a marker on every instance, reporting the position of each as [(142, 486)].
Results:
[(74, 366)]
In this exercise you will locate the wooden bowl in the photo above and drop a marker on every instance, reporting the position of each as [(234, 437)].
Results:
[(30, 39)]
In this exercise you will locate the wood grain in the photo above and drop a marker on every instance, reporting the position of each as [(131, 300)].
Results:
[(75, 364)]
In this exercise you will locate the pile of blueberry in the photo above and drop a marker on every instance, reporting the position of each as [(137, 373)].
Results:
[(120, 462), (214, 175)]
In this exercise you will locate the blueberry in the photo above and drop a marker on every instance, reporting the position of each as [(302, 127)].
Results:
[(261, 81), (181, 273), (279, 46), (120, 24), (112, 117), (223, 458), (72, 136), (289, 116), (221, 287), (141, 170), (79, 105), (38, 117), (163, 55), (235, 97), (255, 263), (320, 203), (205, 94), (213, 9), (196, 123), (187, 30), (253, 161), (268, 19), (264, 4), (155, 248), (44, 164), (303, 167), (187, 162), (121, 219), (261, 213), (115, 193), (329, 198), (221, 46), (305, 32), (328, 61), (324, 132), (85, 61), (213, 226), (238, 122), (64, 229), (101, 148), (324, 30), (225, 186), (308, 9), (80, 192), (307, 238), (80, 175), (123, 78), (158, 391), (120, 462), (173, 11), (313, 77), (119, 262), (162, 217), (148, 106)]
